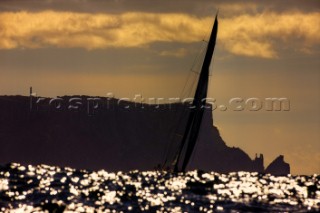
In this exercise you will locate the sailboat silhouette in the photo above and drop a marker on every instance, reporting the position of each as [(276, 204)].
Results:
[(191, 132)]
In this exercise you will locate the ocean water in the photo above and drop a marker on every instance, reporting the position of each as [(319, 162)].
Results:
[(45, 188)]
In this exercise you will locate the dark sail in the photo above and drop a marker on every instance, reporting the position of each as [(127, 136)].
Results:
[(198, 106)]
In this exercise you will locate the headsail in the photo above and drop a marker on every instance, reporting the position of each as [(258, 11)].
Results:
[(198, 106)]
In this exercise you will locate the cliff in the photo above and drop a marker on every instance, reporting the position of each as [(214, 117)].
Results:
[(103, 134), (278, 166)]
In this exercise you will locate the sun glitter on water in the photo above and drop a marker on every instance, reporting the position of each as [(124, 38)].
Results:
[(47, 188)]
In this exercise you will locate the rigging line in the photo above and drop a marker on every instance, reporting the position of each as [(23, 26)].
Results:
[(191, 87), (196, 146), (190, 72), (190, 90), (194, 71), (201, 92), (185, 84), (175, 131), (196, 60), (193, 154), (202, 54), (211, 70), (187, 90), (183, 142), (172, 134), (190, 79)]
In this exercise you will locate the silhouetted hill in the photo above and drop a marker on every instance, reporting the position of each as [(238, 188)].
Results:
[(278, 166), (103, 134)]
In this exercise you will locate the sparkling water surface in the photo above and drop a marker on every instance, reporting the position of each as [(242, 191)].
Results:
[(53, 189)]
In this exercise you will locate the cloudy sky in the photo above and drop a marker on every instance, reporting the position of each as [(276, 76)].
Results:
[(127, 47)]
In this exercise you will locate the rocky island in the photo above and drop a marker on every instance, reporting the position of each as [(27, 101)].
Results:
[(114, 136)]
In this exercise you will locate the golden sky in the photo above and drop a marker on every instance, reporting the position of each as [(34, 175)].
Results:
[(265, 49)]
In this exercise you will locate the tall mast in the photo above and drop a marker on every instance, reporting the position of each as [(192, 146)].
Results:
[(195, 117)]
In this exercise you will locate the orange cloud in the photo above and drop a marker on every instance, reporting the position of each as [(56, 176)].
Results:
[(249, 35), (94, 31), (255, 35)]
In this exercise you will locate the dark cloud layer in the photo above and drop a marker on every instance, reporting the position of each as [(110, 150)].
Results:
[(199, 7)]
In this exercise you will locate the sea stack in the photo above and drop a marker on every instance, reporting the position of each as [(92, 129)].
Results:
[(278, 167), (258, 163)]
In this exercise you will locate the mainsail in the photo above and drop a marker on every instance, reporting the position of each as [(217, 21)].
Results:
[(191, 132)]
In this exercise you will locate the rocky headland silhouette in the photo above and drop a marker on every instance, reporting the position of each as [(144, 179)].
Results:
[(73, 131)]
